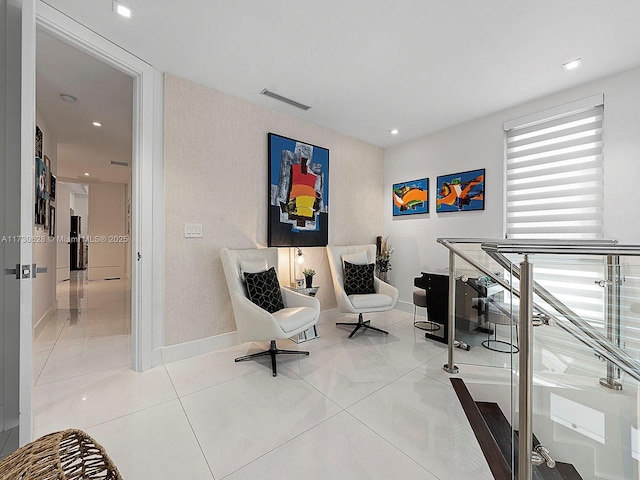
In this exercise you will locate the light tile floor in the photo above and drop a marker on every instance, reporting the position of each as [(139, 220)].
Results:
[(370, 407)]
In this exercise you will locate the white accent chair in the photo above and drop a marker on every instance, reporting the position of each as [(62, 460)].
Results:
[(301, 312), (384, 299)]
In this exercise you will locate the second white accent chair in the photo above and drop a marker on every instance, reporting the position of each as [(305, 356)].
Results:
[(382, 296)]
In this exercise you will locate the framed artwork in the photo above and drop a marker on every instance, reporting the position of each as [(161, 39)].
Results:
[(41, 192), (38, 145), (410, 198), (47, 164), (52, 221), (52, 190), (46, 213), (298, 193), (460, 192), (128, 226)]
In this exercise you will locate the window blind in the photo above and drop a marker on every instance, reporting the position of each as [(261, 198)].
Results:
[(554, 176)]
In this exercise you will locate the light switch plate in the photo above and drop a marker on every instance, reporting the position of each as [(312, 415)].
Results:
[(192, 230)]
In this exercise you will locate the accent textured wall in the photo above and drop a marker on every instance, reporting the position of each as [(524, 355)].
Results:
[(216, 174)]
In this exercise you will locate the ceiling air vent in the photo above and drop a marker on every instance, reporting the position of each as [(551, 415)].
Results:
[(119, 164), (285, 100)]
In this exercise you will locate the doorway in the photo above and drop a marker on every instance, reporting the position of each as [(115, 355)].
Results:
[(84, 116), (17, 59)]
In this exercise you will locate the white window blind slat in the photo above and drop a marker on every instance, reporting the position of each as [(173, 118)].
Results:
[(569, 120), (581, 129), (567, 166), (574, 158), (579, 144)]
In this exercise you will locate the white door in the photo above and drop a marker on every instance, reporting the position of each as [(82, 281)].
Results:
[(17, 107)]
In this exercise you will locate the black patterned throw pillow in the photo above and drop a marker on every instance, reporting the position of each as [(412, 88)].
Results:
[(264, 290), (358, 279)]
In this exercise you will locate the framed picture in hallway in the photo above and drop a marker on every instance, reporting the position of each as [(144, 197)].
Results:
[(38, 142), (410, 198), (52, 191), (298, 193), (459, 192), (52, 221), (41, 192), (47, 175)]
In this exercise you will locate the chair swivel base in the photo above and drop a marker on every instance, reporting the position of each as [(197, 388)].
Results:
[(427, 325), (361, 324), (273, 351), (500, 346)]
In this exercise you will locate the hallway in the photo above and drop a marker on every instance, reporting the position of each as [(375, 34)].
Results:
[(90, 334)]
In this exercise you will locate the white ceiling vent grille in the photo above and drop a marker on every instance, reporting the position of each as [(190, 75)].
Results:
[(299, 105)]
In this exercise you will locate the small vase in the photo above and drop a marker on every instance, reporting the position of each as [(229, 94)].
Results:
[(308, 280)]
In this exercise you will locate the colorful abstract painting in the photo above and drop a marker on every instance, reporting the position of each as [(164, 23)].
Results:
[(411, 197), (298, 193), (460, 192)]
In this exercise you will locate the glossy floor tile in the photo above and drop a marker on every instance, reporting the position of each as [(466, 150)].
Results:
[(341, 447), (369, 407), (87, 400), (156, 443), (424, 419), (241, 420)]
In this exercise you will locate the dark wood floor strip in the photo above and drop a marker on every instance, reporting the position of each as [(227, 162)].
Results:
[(498, 465)]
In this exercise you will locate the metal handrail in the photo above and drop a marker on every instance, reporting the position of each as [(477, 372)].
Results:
[(575, 325), (578, 327), (599, 343)]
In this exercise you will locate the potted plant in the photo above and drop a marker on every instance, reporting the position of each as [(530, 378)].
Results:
[(308, 276)]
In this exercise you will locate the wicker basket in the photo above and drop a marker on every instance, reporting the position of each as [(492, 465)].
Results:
[(65, 455)]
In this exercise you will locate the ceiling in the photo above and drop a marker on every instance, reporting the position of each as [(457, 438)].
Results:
[(368, 66), (103, 94)]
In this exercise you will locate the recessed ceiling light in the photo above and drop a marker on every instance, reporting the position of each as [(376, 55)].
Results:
[(395, 131), (96, 124), (86, 174), (572, 64), (121, 9), (68, 98)]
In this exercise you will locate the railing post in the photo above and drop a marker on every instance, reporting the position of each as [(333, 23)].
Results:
[(613, 319), (449, 367), (525, 442)]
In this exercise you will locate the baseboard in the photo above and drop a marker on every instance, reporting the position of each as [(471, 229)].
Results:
[(156, 357), (404, 306), (181, 351), (42, 322)]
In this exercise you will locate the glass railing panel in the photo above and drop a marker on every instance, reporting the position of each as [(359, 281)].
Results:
[(629, 281), (485, 333), (578, 420)]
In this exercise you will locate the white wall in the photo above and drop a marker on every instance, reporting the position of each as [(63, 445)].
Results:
[(479, 144), (80, 206), (216, 174), (44, 253), (107, 213), (63, 227), (127, 229)]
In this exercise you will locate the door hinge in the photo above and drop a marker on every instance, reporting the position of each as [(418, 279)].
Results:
[(139, 256)]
